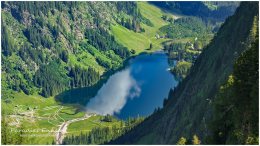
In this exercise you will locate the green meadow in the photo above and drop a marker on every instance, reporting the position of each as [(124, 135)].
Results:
[(140, 42)]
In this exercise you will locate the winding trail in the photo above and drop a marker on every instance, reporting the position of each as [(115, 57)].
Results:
[(60, 134)]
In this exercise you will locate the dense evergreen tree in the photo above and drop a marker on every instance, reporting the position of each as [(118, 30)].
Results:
[(131, 9), (82, 77), (7, 43), (103, 41), (133, 24), (51, 78), (108, 118), (151, 46), (64, 56), (186, 27)]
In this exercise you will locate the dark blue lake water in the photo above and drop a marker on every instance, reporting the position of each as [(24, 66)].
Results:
[(136, 90)]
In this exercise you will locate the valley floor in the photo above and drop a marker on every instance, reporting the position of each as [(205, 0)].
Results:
[(38, 116)]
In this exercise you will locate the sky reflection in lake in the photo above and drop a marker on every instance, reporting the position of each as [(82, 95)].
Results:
[(136, 90), (113, 95)]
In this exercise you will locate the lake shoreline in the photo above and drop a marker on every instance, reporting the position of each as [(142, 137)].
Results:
[(133, 86), (104, 77), (158, 62)]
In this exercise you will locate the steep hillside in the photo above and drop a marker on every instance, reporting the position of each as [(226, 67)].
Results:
[(188, 109), (48, 47), (236, 106), (213, 11), (80, 40)]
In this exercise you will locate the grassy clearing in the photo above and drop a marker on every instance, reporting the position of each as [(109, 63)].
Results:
[(154, 14), (88, 124), (130, 39), (140, 42), (36, 112), (45, 114)]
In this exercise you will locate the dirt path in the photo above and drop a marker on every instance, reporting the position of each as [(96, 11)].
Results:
[(63, 128)]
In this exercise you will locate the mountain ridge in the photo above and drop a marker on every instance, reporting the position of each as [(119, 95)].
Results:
[(187, 110)]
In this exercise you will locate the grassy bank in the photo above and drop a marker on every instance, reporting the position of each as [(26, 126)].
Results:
[(140, 42)]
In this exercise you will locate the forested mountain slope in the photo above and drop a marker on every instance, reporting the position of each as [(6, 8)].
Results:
[(209, 11), (189, 108), (235, 113), (48, 47)]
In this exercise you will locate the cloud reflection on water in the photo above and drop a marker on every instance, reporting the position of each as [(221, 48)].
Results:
[(113, 95)]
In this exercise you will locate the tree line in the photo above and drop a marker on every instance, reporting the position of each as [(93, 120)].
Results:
[(52, 78), (103, 135), (102, 40)]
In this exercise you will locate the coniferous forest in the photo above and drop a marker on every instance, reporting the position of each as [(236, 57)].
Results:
[(128, 72)]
